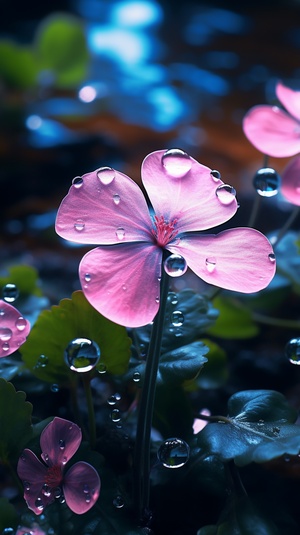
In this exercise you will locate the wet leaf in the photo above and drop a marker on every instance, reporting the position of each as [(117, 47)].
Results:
[(182, 363), (24, 277), (234, 321)]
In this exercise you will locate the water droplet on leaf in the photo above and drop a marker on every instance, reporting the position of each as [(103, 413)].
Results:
[(116, 198), (82, 355), (173, 453), (106, 175), (172, 298), (115, 415), (101, 368), (77, 182), (176, 162), (118, 502), (10, 293), (216, 175), (225, 193), (177, 318), (175, 265), (5, 334), (42, 361), (79, 225), (112, 400), (136, 377), (120, 233), (266, 182), (292, 351), (210, 264)]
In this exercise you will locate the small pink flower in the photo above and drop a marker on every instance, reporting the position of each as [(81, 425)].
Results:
[(13, 329), (80, 486), (121, 278), (34, 530), (290, 182), (273, 131)]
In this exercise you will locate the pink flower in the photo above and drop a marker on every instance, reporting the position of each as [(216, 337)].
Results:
[(34, 530), (290, 182), (121, 278), (273, 131), (80, 486), (13, 329)]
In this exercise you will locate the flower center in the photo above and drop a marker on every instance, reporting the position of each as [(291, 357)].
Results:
[(53, 476), (164, 231)]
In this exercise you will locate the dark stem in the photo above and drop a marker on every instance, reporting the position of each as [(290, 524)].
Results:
[(141, 462), (86, 380)]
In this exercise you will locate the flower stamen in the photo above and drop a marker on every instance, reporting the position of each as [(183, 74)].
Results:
[(53, 476), (164, 231)]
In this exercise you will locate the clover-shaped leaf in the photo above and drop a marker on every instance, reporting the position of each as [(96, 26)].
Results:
[(259, 428), (15, 421), (43, 353)]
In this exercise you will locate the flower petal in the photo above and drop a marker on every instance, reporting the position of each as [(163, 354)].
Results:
[(123, 282), (81, 487), (93, 212), (272, 131), (59, 441), (290, 182), (191, 198), (240, 259), (13, 329), (290, 99), (33, 473)]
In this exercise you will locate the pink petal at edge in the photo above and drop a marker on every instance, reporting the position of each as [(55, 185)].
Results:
[(59, 441), (81, 487), (94, 212), (123, 282), (32, 473), (272, 131), (236, 259), (290, 99), (13, 329), (290, 182), (192, 198)]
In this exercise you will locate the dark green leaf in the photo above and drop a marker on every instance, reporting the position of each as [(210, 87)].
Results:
[(215, 371), (234, 320), (24, 277), (8, 515), (181, 364), (17, 65)]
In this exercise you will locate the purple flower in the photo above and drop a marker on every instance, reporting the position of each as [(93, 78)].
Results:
[(13, 329)]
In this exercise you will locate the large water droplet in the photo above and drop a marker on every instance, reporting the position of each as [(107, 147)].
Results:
[(116, 198), (292, 351), (77, 182), (225, 193), (5, 346), (177, 318), (10, 293), (173, 453), (118, 502), (266, 182), (5, 334), (82, 355), (79, 225), (210, 264), (106, 175), (176, 162), (175, 265), (216, 175), (21, 323), (120, 233)]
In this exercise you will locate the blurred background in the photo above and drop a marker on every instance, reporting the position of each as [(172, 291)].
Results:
[(90, 83)]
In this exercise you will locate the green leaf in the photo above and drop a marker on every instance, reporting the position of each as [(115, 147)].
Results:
[(182, 363), (259, 428), (24, 277), (73, 318), (15, 421), (17, 65), (234, 321), (8, 515), (215, 372)]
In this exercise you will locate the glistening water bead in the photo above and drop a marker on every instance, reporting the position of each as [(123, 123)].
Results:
[(176, 162), (173, 453), (266, 182), (175, 265), (82, 355), (292, 351), (106, 175), (10, 293)]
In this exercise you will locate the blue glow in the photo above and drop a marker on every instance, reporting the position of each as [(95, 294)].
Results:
[(120, 45), (207, 21), (168, 107), (51, 133), (221, 60), (136, 14), (42, 221), (200, 79)]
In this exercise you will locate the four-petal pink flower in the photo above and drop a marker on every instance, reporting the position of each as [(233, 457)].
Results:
[(272, 130), (121, 277), (13, 329), (80, 486)]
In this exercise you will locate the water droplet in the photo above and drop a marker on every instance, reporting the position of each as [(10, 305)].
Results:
[(21, 323), (260, 422), (46, 490), (124, 287), (112, 400), (39, 504), (266, 182), (87, 277), (216, 175), (177, 318), (225, 193), (79, 225), (54, 388), (82, 355), (115, 415), (157, 299), (86, 489), (77, 182), (292, 351), (45, 457), (173, 453), (272, 257), (8, 531), (5, 334), (176, 162), (10, 293), (62, 499), (120, 233), (210, 264), (175, 265), (5, 346), (61, 444), (116, 198), (172, 298), (276, 430), (2, 312), (136, 377), (57, 492), (101, 368), (118, 502), (106, 175), (42, 361), (87, 498), (26, 485)]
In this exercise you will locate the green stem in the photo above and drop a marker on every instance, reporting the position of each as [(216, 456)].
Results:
[(141, 462), (86, 380)]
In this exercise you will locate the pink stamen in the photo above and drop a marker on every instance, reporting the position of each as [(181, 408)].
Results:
[(165, 231), (53, 476)]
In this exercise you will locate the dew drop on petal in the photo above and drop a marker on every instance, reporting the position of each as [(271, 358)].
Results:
[(115, 415), (21, 323), (106, 175), (175, 265), (5, 334), (226, 194), (61, 444), (215, 175), (10, 293), (176, 162), (292, 351), (39, 504), (210, 264), (79, 225), (87, 277), (118, 502), (116, 198), (177, 318), (266, 181), (57, 492), (120, 233), (272, 257), (173, 453), (82, 355), (5, 346), (77, 182), (2, 312), (46, 491)]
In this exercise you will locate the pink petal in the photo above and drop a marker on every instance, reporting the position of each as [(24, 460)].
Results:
[(13, 329), (93, 212), (191, 198), (290, 99), (32, 473), (123, 282), (236, 259), (59, 441), (272, 131), (290, 182), (81, 487), (34, 530)]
